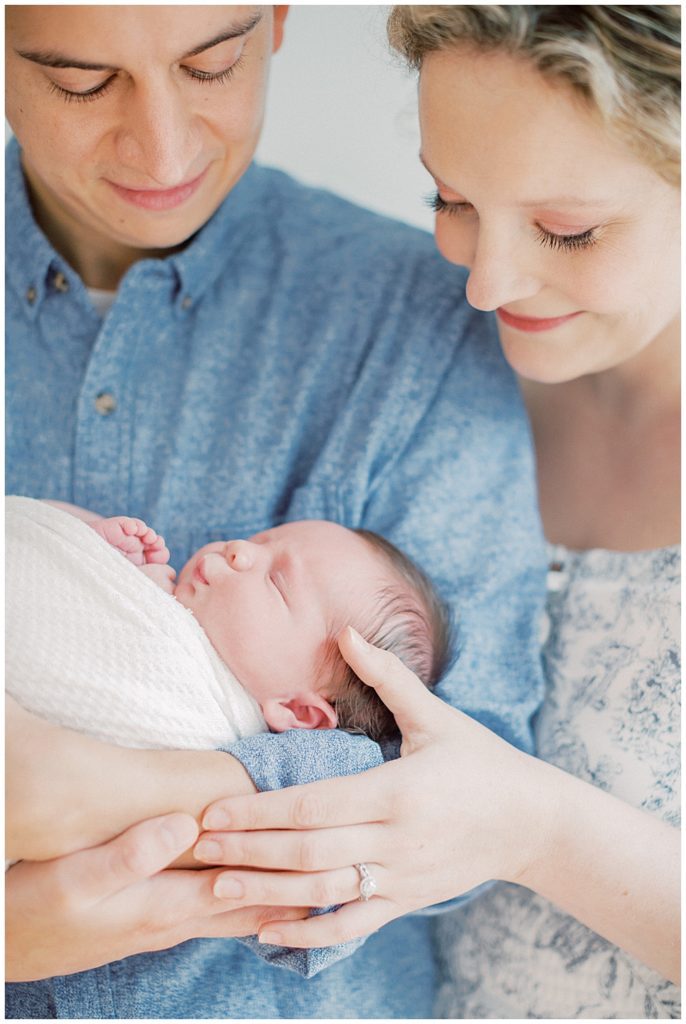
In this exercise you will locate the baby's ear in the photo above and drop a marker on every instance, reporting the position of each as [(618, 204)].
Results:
[(309, 711)]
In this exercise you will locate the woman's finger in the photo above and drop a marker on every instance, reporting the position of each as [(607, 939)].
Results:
[(349, 922), (320, 850), (284, 889), (414, 707), (246, 921), (323, 804)]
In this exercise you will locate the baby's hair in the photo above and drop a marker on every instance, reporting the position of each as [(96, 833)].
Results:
[(624, 60), (411, 621)]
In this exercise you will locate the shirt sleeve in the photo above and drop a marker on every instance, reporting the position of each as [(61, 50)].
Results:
[(275, 760)]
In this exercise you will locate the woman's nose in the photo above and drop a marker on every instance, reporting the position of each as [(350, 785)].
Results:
[(159, 136), (241, 555), (499, 275)]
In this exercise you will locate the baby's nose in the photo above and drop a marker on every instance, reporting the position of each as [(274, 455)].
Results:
[(240, 555)]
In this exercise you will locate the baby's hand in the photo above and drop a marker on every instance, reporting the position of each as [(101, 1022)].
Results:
[(135, 539), (162, 575)]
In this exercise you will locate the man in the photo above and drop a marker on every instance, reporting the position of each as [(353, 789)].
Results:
[(214, 348)]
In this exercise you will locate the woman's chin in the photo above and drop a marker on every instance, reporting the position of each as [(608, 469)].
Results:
[(538, 362)]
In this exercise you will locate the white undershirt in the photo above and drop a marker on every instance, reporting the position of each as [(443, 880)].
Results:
[(102, 299)]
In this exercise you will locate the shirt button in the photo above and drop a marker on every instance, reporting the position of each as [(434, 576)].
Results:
[(31, 295), (105, 403), (186, 302), (60, 282)]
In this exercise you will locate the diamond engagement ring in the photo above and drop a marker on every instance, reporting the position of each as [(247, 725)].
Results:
[(368, 884)]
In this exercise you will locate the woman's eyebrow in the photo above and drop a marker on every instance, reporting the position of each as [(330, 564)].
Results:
[(51, 59)]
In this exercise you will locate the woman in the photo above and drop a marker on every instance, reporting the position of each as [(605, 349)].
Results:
[(552, 135)]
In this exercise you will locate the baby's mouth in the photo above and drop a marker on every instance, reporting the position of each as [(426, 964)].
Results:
[(198, 574)]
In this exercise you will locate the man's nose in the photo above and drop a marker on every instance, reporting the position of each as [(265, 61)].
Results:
[(159, 137)]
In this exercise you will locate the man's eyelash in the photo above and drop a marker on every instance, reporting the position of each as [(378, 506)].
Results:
[(561, 243), (217, 77), (82, 97), (207, 77)]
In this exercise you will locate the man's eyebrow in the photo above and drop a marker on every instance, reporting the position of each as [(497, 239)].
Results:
[(52, 59), (232, 33)]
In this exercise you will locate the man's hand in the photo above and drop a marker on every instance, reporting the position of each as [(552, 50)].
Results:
[(115, 900)]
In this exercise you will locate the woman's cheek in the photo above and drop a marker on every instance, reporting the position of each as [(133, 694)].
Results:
[(453, 241)]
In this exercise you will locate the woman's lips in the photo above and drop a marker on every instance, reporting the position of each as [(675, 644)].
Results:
[(534, 324), (158, 199)]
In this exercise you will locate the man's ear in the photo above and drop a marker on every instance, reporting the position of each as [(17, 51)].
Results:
[(280, 12), (309, 711)]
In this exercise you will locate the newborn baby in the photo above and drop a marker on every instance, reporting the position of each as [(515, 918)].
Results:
[(269, 607)]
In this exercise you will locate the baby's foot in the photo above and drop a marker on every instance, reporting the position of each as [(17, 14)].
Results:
[(135, 539)]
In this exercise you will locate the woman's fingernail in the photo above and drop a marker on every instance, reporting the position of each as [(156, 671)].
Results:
[(270, 938), (216, 818), (208, 849), (228, 888), (355, 637)]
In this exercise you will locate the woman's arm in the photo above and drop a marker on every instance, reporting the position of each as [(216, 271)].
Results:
[(65, 791), (460, 807)]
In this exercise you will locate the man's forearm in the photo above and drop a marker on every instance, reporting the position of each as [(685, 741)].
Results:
[(66, 791)]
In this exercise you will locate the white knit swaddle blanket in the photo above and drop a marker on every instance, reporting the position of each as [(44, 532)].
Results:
[(94, 645)]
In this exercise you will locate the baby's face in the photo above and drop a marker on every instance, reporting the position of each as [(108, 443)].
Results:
[(270, 603)]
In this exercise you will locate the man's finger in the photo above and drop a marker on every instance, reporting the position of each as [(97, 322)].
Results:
[(138, 853)]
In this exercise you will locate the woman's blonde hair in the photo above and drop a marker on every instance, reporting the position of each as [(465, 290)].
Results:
[(625, 61)]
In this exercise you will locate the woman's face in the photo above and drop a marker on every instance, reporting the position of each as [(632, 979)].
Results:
[(136, 121), (570, 238)]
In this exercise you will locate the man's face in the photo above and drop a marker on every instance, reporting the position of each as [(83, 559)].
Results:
[(271, 604), (135, 121)]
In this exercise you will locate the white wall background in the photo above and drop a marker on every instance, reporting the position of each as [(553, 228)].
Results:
[(342, 111)]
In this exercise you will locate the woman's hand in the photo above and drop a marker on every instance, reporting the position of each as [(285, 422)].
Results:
[(451, 813), (114, 900)]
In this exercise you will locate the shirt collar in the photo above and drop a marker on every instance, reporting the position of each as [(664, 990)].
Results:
[(211, 251), (33, 263)]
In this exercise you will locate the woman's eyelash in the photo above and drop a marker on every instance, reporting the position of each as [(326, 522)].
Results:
[(439, 205), (561, 243), (567, 243), (207, 77)]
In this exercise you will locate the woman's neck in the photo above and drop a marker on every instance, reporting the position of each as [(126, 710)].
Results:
[(607, 452), (647, 384)]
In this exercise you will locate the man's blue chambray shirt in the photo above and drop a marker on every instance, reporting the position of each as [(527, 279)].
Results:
[(301, 358)]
